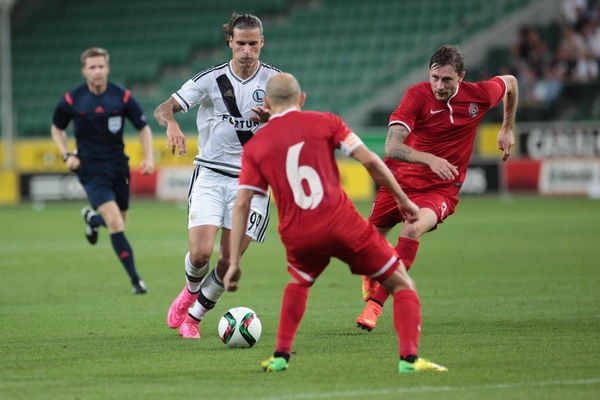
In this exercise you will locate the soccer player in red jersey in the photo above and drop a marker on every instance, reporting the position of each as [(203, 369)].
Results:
[(429, 143), (294, 156)]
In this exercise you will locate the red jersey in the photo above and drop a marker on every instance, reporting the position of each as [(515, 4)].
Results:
[(444, 129), (294, 154)]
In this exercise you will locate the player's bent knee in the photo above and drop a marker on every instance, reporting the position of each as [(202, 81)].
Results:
[(199, 258), (399, 280), (411, 231)]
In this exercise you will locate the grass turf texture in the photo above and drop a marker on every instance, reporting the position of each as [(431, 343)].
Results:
[(510, 293)]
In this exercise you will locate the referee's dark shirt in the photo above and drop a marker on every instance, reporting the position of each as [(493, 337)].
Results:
[(99, 120)]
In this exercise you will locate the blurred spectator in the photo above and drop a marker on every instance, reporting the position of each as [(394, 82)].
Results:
[(594, 10), (530, 50), (572, 11), (547, 89), (586, 69), (527, 79), (591, 37), (529, 54), (578, 54), (570, 46), (581, 20)]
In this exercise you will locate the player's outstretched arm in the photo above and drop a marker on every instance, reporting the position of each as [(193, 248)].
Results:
[(165, 116), (240, 212), (506, 137)]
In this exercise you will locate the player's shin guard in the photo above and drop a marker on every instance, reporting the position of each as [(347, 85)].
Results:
[(193, 275), (211, 290)]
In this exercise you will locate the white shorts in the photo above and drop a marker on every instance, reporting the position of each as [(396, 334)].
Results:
[(210, 202)]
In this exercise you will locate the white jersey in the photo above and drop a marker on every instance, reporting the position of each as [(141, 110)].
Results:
[(225, 105)]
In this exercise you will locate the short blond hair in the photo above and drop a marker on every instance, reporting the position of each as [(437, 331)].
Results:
[(94, 52)]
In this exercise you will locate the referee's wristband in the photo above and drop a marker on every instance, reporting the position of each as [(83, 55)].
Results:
[(66, 156)]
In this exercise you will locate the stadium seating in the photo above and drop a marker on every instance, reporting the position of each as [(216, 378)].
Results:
[(342, 51), (142, 41)]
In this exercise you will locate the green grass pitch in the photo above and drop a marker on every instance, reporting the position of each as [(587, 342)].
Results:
[(509, 287)]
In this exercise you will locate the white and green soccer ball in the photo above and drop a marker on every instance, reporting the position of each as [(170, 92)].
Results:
[(240, 327)]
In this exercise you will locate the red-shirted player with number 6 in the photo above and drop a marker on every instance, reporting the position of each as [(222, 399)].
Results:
[(429, 143), (294, 155)]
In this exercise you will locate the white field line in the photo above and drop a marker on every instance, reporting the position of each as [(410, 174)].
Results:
[(433, 389)]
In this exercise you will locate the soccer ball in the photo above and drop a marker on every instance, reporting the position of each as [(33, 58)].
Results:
[(240, 327)]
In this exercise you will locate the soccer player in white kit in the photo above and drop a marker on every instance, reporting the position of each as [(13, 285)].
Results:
[(230, 97)]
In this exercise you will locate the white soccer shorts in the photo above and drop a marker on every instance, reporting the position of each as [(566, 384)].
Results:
[(211, 200)]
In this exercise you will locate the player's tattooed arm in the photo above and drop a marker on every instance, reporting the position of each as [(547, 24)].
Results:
[(165, 112), (164, 115), (394, 144)]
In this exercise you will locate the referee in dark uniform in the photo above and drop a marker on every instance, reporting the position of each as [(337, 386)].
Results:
[(98, 109)]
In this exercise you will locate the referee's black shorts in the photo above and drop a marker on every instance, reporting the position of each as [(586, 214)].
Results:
[(105, 181)]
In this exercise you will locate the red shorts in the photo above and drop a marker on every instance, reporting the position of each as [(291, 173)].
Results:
[(385, 213), (364, 250)]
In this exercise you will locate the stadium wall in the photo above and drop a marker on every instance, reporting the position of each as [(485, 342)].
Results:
[(556, 159), (42, 176), (548, 159)]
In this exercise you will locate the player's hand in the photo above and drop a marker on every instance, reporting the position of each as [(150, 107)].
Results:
[(176, 140), (506, 140), (147, 167), (443, 169), (73, 163), (409, 210), (262, 114), (232, 277)]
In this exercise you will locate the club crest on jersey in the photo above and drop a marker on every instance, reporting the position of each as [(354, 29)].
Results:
[(473, 110), (258, 95), (115, 123)]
